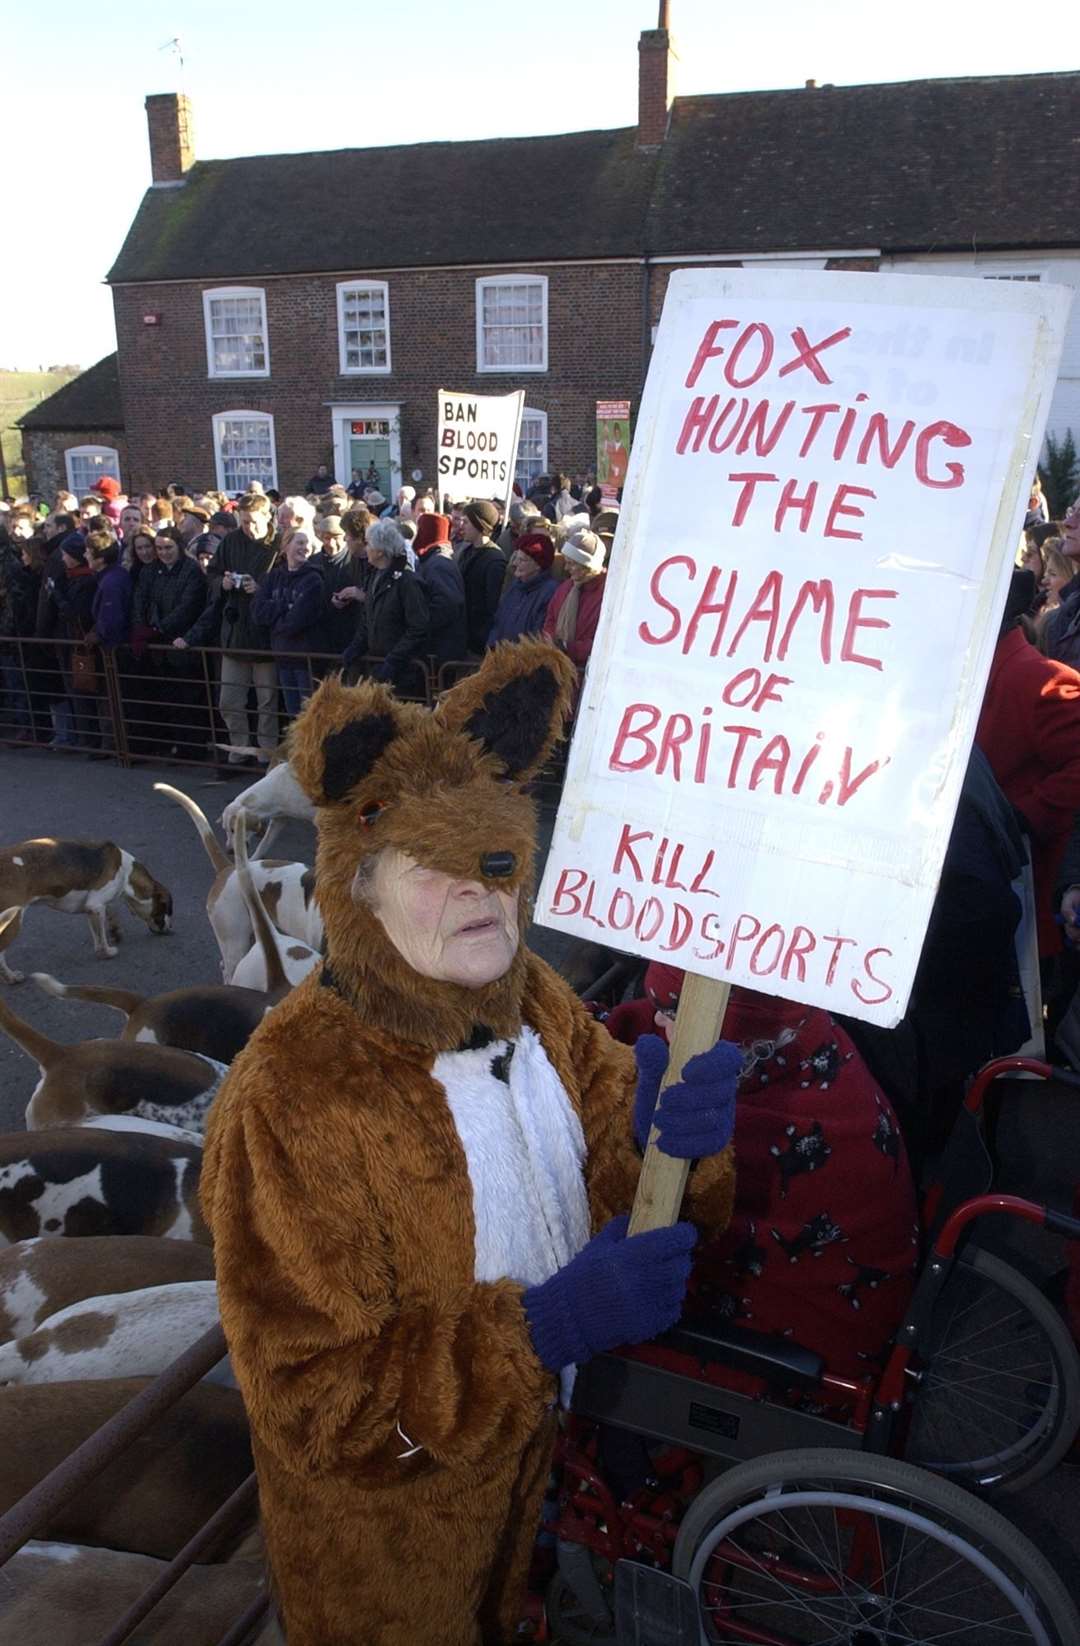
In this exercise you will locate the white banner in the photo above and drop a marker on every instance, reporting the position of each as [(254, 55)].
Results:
[(478, 441), (826, 490)]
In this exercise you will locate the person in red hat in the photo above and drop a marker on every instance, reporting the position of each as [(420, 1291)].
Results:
[(108, 489), (437, 570), (821, 1244), (524, 604)]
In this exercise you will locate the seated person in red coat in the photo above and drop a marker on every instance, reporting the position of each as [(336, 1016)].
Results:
[(822, 1243), (1029, 731)]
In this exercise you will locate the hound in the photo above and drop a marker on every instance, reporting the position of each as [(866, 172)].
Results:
[(121, 1334), (83, 1180), (288, 891), (40, 1277), (216, 1020), (115, 1082), (276, 795), (273, 962), (79, 877)]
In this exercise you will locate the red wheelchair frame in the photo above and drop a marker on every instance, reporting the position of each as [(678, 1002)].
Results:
[(677, 1392)]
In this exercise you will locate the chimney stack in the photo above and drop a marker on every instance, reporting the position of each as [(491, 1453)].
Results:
[(656, 81), (172, 151)]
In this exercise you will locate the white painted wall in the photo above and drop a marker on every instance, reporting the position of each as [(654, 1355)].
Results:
[(1057, 267)]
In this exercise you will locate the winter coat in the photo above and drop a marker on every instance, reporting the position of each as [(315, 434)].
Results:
[(346, 571), (290, 605), (18, 595), (175, 597), (48, 620), (821, 1244), (231, 615), (589, 602), (75, 602), (523, 608), (448, 638), (392, 624), (1061, 631), (112, 606), (1029, 730), (483, 570)]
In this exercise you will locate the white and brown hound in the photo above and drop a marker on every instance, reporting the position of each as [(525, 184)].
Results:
[(79, 877)]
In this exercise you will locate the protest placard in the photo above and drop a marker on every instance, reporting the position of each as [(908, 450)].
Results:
[(825, 495), (478, 438), (612, 446)]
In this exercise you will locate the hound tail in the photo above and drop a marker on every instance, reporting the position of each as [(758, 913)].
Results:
[(265, 936), (121, 1000), (201, 822), (38, 1046)]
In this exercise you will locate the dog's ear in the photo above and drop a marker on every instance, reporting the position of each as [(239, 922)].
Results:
[(515, 705), (339, 736)]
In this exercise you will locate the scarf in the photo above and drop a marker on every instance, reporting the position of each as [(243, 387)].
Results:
[(566, 621)]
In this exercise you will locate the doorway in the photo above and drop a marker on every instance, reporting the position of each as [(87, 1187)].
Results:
[(368, 437)]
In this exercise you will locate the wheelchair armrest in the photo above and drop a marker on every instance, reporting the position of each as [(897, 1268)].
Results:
[(776, 1359)]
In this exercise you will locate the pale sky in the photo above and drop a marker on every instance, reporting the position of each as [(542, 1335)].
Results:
[(265, 79)]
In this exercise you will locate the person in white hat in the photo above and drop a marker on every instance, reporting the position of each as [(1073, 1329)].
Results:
[(575, 606)]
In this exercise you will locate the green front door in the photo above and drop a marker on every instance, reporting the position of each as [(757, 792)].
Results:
[(365, 450)]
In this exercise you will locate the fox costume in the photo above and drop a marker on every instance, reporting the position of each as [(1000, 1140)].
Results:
[(392, 1162)]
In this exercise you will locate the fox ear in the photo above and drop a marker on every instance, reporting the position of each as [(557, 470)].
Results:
[(515, 705), (340, 735)]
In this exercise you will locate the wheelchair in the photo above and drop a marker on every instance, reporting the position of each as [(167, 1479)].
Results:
[(718, 1485)]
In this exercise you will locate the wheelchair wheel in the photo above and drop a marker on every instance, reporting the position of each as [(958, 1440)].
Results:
[(815, 1548), (999, 1401)]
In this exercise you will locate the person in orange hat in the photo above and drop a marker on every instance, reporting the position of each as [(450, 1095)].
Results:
[(438, 571), (525, 601)]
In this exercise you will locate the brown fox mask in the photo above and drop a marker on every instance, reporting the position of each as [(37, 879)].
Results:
[(446, 788)]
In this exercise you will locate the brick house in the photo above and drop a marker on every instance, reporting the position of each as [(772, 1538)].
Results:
[(263, 327)]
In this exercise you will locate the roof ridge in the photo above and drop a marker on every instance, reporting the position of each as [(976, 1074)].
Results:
[(878, 85), (457, 143)]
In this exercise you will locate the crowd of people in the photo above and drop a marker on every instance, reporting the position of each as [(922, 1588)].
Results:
[(250, 600)]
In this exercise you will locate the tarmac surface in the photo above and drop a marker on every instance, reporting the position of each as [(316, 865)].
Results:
[(46, 794)]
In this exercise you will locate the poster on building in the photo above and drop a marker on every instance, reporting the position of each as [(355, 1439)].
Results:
[(612, 446), (478, 438), (827, 488)]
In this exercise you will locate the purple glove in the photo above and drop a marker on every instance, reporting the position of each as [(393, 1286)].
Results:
[(696, 1115), (618, 1289)]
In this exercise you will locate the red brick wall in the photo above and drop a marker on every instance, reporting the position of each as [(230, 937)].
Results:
[(594, 353), (172, 142), (655, 86)]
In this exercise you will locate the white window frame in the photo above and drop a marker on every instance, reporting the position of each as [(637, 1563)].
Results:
[(214, 293), (110, 465), (358, 284), (219, 460), (486, 280), (534, 412)]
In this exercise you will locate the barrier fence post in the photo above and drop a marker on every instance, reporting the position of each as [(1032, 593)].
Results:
[(116, 706)]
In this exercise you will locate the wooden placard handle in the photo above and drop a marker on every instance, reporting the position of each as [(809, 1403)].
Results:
[(698, 1023)]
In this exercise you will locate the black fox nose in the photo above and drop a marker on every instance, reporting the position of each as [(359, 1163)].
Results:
[(497, 865)]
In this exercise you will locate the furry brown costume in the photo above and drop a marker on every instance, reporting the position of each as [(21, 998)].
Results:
[(403, 1423)]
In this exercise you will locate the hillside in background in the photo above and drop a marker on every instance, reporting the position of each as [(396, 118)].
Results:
[(19, 390)]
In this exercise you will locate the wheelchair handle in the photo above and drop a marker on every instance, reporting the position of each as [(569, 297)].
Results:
[(981, 1205)]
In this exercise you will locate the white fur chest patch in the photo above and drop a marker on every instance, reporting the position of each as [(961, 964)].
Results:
[(525, 1152)]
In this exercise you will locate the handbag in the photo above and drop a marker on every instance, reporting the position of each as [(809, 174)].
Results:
[(84, 675)]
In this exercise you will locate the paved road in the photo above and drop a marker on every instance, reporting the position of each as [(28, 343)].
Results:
[(45, 794), (42, 794)]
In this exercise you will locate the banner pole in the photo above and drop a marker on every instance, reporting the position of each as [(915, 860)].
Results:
[(699, 1022)]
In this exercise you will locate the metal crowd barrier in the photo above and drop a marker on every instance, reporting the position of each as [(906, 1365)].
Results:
[(30, 1516), (158, 703)]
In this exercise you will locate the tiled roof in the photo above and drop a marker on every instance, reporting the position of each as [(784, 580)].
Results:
[(584, 194), (916, 166), (90, 401), (919, 165)]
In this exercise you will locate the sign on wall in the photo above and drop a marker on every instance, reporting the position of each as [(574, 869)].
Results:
[(827, 487), (478, 440), (612, 446)]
